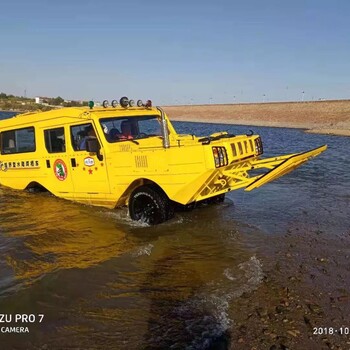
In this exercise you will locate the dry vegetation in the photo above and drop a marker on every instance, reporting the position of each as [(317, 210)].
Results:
[(330, 117)]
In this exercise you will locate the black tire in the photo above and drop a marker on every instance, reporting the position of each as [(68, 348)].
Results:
[(150, 205)]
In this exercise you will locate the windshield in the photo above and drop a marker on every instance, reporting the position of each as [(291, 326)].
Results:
[(124, 128)]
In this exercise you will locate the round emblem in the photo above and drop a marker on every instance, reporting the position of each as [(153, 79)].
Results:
[(88, 161), (60, 169)]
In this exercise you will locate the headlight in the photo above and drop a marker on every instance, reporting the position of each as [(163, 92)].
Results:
[(220, 156), (258, 146)]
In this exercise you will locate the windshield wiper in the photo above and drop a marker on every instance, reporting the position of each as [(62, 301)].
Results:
[(206, 140)]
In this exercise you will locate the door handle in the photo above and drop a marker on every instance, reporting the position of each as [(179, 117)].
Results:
[(73, 162)]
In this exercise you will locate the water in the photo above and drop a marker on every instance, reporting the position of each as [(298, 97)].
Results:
[(103, 281), (5, 115)]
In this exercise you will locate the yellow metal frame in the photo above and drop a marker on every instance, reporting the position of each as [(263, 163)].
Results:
[(236, 175), (281, 166)]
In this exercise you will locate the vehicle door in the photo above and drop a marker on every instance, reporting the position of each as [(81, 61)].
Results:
[(56, 162), (89, 173)]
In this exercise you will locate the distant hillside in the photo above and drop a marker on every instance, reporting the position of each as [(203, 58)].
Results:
[(24, 104), (321, 117)]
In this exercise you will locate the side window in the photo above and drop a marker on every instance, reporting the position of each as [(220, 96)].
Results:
[(79, 135), (54, 140), (18, 141)]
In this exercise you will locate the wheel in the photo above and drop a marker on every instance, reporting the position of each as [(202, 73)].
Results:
[(216, 199), (150, 205)]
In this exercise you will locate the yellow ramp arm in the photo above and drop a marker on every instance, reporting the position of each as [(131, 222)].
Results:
[(236, 175), (286, 165), (189, 192)]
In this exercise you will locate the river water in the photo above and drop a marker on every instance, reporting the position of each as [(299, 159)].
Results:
[(104, 282)]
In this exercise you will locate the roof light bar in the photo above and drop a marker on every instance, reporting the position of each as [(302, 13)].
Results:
[(124, 102)]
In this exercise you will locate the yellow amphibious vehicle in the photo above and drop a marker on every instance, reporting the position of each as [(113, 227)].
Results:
[(130, 155)]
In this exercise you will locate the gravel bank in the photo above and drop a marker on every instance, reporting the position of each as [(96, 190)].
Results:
[(325, 117), (305, 288)]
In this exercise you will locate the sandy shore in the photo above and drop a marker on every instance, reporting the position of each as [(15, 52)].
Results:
[(325, 117)]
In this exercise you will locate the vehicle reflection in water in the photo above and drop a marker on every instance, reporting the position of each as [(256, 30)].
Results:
[(100, 278), (55, 234), (172, 291)]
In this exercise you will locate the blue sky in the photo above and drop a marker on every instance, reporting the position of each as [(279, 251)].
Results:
[(176, 51)]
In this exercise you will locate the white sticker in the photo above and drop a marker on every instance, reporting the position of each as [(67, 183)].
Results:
[(88, 161)]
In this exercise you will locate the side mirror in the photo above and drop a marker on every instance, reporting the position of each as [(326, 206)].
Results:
[(93, 146)]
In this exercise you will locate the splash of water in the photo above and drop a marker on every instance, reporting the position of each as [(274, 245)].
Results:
[(145, 250), (207, 314)]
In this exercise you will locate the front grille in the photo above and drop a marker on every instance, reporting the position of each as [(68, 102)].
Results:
[(234, 151)]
